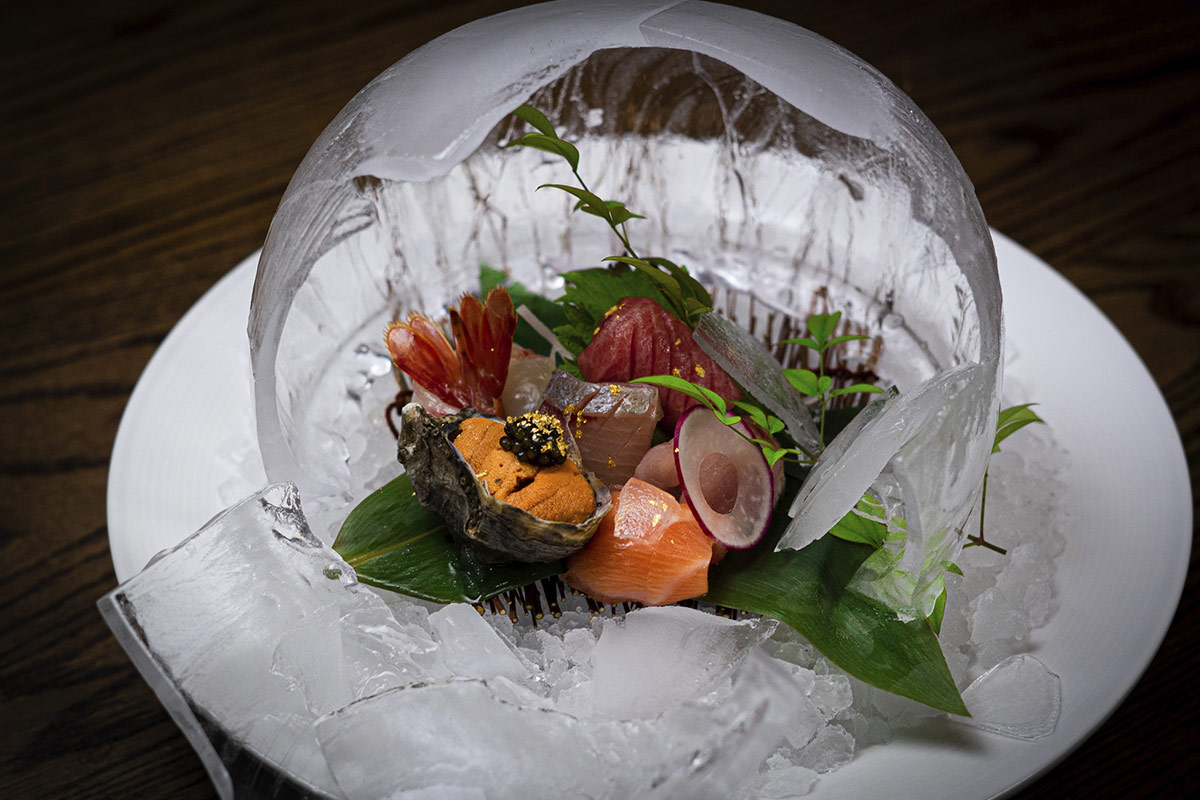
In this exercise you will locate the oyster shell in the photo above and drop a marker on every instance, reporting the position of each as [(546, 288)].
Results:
[(495, 531)]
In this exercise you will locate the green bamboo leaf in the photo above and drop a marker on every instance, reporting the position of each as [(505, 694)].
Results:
[(821, 326), (807, 589), (803, 380), (392, 542), (537, 119), (858, 388), (549, 144)]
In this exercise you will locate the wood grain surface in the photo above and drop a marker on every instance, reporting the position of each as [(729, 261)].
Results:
[(144, 147)]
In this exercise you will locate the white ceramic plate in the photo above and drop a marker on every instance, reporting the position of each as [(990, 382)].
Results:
[(1119, 581)]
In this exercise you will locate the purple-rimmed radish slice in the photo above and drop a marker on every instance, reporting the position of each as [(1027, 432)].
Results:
[(726, 479)]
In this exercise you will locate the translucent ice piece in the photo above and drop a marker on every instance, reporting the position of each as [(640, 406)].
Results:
[(655, 658), (750, 363), (1018, 697), (460, 733), (250, 629), (471, 647)]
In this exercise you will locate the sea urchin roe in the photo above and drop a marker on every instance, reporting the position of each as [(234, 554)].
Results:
[(558, 493)]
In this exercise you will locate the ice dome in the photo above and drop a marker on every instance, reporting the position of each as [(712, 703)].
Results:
[(781, 169)]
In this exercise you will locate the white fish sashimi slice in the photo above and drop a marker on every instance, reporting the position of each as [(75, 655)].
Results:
[(612, 424), (750, 363), (860, 453)]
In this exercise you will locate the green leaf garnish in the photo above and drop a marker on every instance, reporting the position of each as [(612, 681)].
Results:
[(535, 118), (549, 144), (804, 381), (392, 542), (591, 294), (821, 326), (939, 611), (808, 590), (1011, 420)]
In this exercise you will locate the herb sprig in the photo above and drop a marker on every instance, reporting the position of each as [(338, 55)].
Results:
[(684, 296), (818, 384)]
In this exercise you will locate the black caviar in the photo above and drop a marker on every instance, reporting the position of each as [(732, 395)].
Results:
[(535, 438)]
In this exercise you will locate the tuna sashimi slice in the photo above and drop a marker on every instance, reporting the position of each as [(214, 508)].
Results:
[(639, 339), (649, 549), (612, 423)]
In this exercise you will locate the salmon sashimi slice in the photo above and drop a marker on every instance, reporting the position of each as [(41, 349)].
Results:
[(612, 423), (649, 549)]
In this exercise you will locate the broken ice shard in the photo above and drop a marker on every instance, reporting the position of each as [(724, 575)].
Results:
[(1018, 697), (250, 629)]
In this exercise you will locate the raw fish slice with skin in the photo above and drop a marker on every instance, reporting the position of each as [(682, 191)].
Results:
[(649, 549), (612, 423), (640, 339)]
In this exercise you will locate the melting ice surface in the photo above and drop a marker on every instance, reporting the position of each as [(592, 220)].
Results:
[(258, 638)]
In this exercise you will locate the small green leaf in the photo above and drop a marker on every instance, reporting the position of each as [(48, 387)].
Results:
[(730, 419), (821, 326), (950, 566), (756, 414), (823, 384), (618, 213), (537, 119), (694, 307), (857, 528), (392, 542), (801, 340), (587, 201), (668, 284), (549, 144), (773, 454), (705, 395), (847, 337), (939, 611), (1011, 420), (803, 380), (858, 388)]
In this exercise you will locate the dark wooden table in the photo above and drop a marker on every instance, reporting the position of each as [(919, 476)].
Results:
[(144, 147)]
